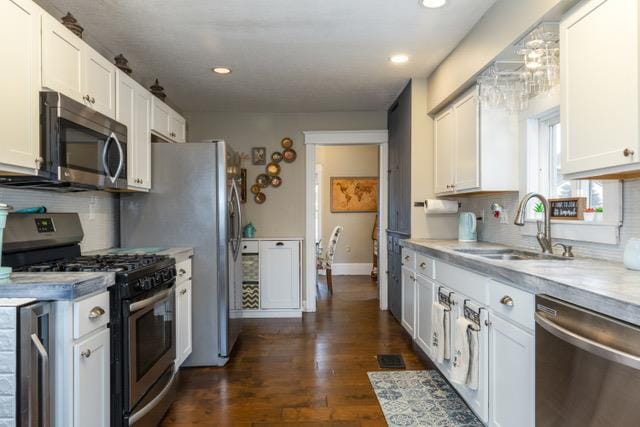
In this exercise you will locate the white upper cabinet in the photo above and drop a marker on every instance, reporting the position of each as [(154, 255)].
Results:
[(445, 139), (599, 73), (134, 111), (99, 82), (62, 59), (167, 123), (72, 67), (467, 146), (476, 149), (20, 82)]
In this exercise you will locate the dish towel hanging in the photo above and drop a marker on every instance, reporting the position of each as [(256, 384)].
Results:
[(461, 352), (474, 358), (440, 337)]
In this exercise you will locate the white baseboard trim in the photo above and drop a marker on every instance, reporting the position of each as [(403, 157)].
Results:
[(263, 314), (350, 269)]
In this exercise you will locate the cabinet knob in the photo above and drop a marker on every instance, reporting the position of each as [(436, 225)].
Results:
[(86, 354), (181, 272), (406, 257), (87, 98), (628, 152), (182, 292), (93, 100), (423, 265), (39, 162), (506, 300)]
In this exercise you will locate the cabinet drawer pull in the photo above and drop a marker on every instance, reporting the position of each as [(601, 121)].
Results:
[(96, 312), (93, 100), (182, 292), (506, 300), (407, 257), (628, 152), (181, 272), (86, 354), (279, 244), (423, 265)]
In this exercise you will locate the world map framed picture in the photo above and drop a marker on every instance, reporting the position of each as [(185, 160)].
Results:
[(354, 194)]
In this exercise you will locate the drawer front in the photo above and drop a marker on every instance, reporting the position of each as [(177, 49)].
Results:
[(466, 282), (425, 266), (408, 259), (183, 270), (250, 246), (512, 303), (90, 314)]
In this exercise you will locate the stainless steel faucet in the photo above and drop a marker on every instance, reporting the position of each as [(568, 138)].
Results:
[(544, 237)]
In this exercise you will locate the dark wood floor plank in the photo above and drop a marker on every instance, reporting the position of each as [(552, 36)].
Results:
[(292, 372)]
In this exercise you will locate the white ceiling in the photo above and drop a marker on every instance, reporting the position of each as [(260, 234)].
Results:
[(286, 55)]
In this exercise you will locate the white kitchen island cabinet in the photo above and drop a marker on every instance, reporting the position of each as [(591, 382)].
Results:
[(271, 277)]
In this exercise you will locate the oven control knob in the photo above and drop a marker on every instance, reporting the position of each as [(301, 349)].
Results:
[(139, 285), (147, 283), (158, 277)]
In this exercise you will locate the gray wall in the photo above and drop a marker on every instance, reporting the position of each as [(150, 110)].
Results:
[(283, 214), (509, 234), (101, 230), (355, 244)]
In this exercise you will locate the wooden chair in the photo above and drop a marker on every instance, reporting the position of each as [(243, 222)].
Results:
[(326, 262)]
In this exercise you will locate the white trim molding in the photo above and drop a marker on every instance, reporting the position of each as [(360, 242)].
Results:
[(581, 231), (346, 137), (359, 137), (350, 269)]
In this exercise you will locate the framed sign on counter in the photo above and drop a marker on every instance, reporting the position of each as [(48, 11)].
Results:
[(570, 208)]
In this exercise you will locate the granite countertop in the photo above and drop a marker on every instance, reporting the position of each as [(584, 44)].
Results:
[(602, 286), (55, 286), (180, 254)]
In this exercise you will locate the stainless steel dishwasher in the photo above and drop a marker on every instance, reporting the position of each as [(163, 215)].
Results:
[(587, 367)]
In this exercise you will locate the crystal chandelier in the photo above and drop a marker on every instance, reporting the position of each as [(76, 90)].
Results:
[(510, 84)]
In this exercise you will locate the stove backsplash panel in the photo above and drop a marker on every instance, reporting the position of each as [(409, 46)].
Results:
[(98, 210)]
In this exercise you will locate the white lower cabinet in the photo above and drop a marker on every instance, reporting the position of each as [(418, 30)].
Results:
[(505, 396), (184, 316), (409, 300), (92, 381), (279, 274), (424, 305), (511, 374)]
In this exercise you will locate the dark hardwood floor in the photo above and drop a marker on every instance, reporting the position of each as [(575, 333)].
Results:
[(300, 372)]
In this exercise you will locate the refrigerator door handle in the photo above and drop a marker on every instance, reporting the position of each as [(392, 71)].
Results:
[(236, 239)]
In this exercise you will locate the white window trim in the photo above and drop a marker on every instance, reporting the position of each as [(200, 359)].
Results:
[(608, 231)]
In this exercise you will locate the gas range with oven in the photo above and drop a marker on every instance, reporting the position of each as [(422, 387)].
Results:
[(142, 306)]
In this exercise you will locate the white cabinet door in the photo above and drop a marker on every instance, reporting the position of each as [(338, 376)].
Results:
[(160, 117), (62, 59), (134, 111), (183, 322), (444, 148), (409, 301), (599, 106), (467, 146), (279, 274), (20, 82), (177, 127), (92, 381), (99, 80), (511, 370), (424, 305)]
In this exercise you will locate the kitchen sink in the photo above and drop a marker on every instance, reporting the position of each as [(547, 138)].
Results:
[(512, 255)]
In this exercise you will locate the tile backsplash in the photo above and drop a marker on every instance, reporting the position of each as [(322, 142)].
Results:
[(509, 234), (99, 212)]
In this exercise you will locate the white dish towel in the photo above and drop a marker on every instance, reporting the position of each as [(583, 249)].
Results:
[(440, 334), (461, 352), (474, 359)]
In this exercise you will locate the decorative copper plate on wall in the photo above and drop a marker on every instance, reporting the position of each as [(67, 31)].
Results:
[(276, 156), (286, 142), (255, 188), (260, 198), (276, 181), (263, 180), (289, 155), (273, 169)]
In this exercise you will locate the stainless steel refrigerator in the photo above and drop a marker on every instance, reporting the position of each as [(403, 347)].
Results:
[(195, 202)]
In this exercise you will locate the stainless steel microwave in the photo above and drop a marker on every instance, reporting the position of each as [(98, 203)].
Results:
[(81, 149)]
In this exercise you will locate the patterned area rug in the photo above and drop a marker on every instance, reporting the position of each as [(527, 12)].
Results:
[(420, 398)]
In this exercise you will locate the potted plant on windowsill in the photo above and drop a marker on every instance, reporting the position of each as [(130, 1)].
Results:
[(599, 214), (538, 212), (589, 214)]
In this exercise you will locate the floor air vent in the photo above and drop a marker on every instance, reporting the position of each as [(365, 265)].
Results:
[(391, 361)]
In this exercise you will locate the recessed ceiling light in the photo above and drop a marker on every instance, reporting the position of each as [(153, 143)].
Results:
[(221, 70), (399, 58), (433, 4)]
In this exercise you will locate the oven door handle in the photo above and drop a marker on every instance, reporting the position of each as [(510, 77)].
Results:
[(112, 137), (139, 305), (136, 416), (588, 345)]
